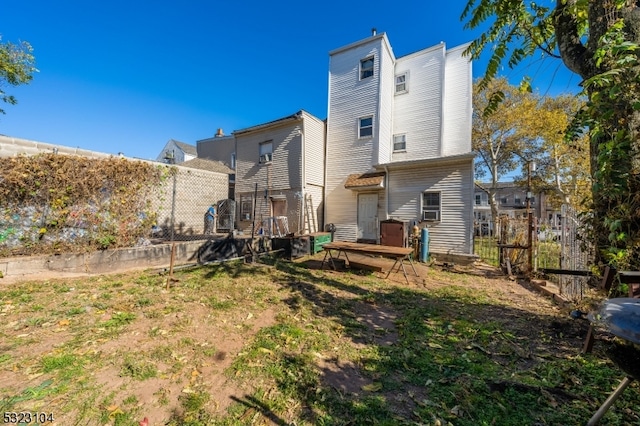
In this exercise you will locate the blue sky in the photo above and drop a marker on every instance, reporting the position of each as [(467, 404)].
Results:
[(128, 76)]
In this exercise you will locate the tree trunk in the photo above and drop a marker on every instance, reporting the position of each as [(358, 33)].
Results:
[(616, 221)]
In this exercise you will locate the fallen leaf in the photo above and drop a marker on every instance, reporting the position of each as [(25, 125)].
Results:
[(373, 387), (64, 322), (434, 345), (457, 411)]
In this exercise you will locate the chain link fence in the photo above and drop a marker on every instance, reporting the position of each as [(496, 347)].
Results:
[(57, 203), (264, 210), (556, 246), (181, 204)]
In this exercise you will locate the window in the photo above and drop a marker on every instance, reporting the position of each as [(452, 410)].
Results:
[(365, 127), (246, 207), (401, 83), (431, 206), (482, 199), (366, 68), (399, 143), (233, 161), (503, 200), (517, 201), (266, 152)]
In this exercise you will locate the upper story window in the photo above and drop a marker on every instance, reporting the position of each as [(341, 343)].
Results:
[(482, 199), (266, 152), (366, 68), (401, 83), (233, 161), (399, 143), (504, 200), (431, 206), (365, 127)]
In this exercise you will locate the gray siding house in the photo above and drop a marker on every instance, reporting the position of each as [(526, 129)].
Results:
[(280, 166), (220, 148)]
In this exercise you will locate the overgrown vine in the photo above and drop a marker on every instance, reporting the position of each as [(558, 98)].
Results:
[(612, 117), (51, 203)]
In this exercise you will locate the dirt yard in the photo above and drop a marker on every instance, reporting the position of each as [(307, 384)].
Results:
[(113, 349)]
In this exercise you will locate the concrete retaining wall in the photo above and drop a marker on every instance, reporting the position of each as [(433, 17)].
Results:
[(100, 262)]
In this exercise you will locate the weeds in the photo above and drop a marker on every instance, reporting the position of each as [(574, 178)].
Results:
[(287, 344)]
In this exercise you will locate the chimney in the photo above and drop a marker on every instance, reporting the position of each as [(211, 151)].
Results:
[(373, 31), (219, 133)]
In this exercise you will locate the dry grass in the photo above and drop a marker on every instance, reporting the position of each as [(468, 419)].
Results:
[(282, 344)]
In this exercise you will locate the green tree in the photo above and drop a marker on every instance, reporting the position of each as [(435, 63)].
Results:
[(17, 66), (502, 140), (563, 167), (598, 40)]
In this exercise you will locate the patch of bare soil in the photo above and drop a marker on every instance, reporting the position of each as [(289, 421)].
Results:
[(193, 348), (206, 374)]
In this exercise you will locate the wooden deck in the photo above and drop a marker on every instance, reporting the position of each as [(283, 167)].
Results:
[(399, 254)]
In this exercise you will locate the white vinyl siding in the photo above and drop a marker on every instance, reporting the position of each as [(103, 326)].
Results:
[(385, 108), (349, 99), (315, 196), (314, 145), (419, 112), (458, 87), (455, 184)]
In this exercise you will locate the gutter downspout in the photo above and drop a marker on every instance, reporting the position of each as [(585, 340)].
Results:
[(386, 192), (303, 171)]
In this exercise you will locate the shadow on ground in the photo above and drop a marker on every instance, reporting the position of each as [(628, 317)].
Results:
[(428, 355)]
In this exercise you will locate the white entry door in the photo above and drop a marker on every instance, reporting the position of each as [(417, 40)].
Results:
[(368, 216)]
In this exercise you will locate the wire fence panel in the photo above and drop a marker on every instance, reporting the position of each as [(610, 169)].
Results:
[(555, 246), (575, 255), (278, 212), (182, 203)]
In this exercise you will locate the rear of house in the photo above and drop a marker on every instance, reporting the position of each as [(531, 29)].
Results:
[(279, 175), (399, 142)]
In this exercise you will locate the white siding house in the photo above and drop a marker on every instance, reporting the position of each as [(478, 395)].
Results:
[(281, 164), (177, 151), (399, 142)]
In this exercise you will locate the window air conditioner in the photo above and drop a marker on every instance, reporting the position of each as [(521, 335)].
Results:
[(431, 215), (265, 158)]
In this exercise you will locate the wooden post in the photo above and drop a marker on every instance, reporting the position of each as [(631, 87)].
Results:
[(173, 258), (529, 223)]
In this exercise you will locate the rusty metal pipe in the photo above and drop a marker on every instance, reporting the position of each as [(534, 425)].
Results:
[(609, 402)]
